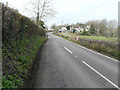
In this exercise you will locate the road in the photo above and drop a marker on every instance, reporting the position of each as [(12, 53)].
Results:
[(67, 65)]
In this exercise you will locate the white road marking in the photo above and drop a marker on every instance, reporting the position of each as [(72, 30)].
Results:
[(91, 50), (68, 50), (100, 74)]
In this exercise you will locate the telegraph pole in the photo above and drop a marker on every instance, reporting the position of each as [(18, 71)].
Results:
[(6, 4), (62, 22)]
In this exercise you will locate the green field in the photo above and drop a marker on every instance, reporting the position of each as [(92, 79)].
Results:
[(110, 39)]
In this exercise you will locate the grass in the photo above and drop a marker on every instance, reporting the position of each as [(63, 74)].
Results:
[(17, 60), (109, 39)]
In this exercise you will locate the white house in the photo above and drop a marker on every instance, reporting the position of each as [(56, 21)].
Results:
[(79, 29), (51, 29), (62, 29), (87, 28)]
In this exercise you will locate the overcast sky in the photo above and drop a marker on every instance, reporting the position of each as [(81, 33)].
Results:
[(73, 11)]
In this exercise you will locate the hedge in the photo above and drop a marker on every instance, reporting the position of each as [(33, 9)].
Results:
[(21, 39)]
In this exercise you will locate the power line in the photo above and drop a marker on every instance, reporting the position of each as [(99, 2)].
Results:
[(96, 8)]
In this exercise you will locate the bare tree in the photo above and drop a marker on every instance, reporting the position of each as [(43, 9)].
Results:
[(112, 25), (42, 9)]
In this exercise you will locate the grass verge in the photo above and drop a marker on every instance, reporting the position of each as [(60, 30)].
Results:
[(109, 39)]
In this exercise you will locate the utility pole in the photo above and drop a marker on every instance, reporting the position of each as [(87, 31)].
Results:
[(6, 4), (38, 19), (62, 22)]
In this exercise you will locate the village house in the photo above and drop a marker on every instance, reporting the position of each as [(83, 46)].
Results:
[(79, 29), (62, 29), (87, 28)]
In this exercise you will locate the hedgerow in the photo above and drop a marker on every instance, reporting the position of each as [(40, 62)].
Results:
[(21, 39)]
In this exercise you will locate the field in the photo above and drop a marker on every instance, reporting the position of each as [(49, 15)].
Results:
[(110, 39)]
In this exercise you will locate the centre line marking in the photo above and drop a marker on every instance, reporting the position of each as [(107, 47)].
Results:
[(68, 50), (100, 74)]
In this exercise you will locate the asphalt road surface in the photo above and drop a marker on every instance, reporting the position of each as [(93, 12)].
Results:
[(67, 65)]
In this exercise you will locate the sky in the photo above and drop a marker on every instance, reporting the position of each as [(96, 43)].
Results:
[(74, 11)]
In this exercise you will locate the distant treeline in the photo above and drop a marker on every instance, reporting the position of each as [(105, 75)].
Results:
[(103, 28)]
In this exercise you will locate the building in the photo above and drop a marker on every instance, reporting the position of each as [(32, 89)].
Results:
[(79, 29), (62, 29), (87, 28)]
